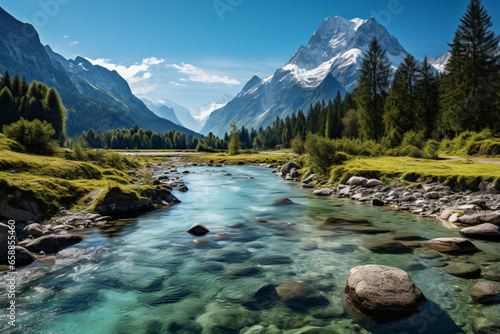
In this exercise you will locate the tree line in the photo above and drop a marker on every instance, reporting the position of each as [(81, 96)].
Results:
[(18, 99)]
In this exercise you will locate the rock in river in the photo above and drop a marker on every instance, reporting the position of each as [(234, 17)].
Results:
[(464, 270), (346, 221), (53, 243), (299, 296), (486, 292), (452, 245), (198, 230), (283, 201), (287, 168), (323, 192), (381, 293), (485, 231)]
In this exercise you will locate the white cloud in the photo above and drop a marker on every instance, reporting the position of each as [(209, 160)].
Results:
[(138, 75), (65, 36), (177, 84), (198, 75), (74, 43)]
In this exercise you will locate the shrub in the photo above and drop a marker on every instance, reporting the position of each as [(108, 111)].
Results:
[(203, 148), (78, 153), (297, 145), (35, 136), (323, 152), (114, 160)]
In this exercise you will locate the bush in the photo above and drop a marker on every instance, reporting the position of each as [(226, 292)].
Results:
[(114, 160), (297, 145), (203, 148), (323, 153), (78, 153), (35, 136)]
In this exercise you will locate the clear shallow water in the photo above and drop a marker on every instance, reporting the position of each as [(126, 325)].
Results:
[(144, 276)]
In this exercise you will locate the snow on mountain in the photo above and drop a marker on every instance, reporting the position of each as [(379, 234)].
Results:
[(204, 111), (327, 64), (440, 62)]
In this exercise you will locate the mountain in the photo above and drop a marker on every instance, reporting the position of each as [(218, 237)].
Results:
[(203, 112), (183, 114), (440, 62), (327, 64), (94, 96), (162, 110)]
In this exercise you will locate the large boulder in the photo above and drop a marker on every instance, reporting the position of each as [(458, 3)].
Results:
[(53, 243), (452, 245), (287, 168), (485, 231), (481, 218), (299, 296), (357, 181), (116, 202), (486, 292), (198, 230), (23, 256), (381, 293), (160, 195)]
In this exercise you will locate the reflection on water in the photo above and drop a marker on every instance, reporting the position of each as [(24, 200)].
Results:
[(144, 276)]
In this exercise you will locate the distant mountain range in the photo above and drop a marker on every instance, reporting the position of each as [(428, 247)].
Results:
[(94, 96)]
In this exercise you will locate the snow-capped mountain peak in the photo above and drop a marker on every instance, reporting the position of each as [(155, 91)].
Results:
[(203, 112), (439, 62)]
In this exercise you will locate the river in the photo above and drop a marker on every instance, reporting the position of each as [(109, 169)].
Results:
[(144, 276)]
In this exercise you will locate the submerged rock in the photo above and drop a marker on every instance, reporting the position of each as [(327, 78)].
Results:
[(486, 292), (382, 293), (346, 221), (198, 230), (385, 246), (300, 296), (464, 270), (452, 245), (51, 244)]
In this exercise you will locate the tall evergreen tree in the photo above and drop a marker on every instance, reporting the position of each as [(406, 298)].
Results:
[(401, 107), (5, 82), (8, 110), (372, 89), (427, 99), (55, 113), (471, 84), (234, 141)]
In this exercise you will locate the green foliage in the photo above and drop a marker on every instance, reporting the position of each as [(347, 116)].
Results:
[(297, 145), (468, 143), (203, 148), (371, 91), (323, 153), (234, 140), (78, 153), (35, 136), (115, 160)]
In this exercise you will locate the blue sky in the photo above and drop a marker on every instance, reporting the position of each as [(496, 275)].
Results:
[(192, 50)]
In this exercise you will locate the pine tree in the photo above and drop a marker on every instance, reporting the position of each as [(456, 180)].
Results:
[(471, 83), (55, 113), (8, 110), (427, 100), (16, 86), (401, 106), (6, 82), (372, 89)]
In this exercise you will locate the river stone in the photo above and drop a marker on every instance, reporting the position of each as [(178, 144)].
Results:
[(381, 293), (362, 229), (374, 183), (377, 202), (323, 192), (24, 256), (272, 259), (452, 245), (491, 274), (476, 219), (287, 168), (283, 201), (294, 173), (357, 181), (406, 237), (346, 221), (35, 230), (199, 241), (485, 231), (198, 230), (485, 326), (50, 244), (247, 271), (446, 214), (486, 292), (385, 246), (300, 296), (464, 270), (309, 179), (431, 195)]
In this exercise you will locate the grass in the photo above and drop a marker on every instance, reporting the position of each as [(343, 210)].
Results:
[(459, 173), (50, 182), (255, 158)]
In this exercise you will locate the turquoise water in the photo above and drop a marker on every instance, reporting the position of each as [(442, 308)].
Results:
[(144, 275)]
